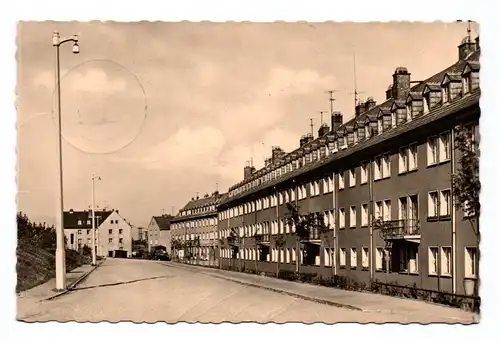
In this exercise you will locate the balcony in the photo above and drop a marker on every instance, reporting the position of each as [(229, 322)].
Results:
[(314, 236), (403, 229)]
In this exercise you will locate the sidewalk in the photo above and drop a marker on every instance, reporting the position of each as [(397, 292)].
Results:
[(360, 301), (27, 300)]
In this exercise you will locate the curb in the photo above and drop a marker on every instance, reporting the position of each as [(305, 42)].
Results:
[(74, 284), (279, 291)]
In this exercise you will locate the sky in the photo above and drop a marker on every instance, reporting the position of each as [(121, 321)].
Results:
[(165, 111)]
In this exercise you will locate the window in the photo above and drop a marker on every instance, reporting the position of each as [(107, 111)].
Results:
[(365, 258), (352, 177), (445, 203), (88, 222), (79, 222), (341, 218), (354, 258), (88, 231), (377, 170), (110, 240), (379, 210), (342, 257), (444, 147), (409, 114), (328, 257), (387, 210), (393, 119), (386, 166), (380, 125), (413, 157), (352, 216), (110, 231), (432, 151), (403, 160), (471, 262), (446, 260), (341, 180), (433, 257), (367, 131), (364, 215), (120, 231), (426, 104), (379, 260), (79, 232), (364, 173), (466, 84), (112, 221), (120, 240), (432, 204), (446, 93)]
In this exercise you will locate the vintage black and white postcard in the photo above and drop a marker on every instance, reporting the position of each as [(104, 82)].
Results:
[(248, 172)]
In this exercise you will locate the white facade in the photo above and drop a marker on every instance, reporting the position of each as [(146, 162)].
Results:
[(114, 234)]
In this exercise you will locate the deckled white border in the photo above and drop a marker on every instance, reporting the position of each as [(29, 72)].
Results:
[(253, 10)]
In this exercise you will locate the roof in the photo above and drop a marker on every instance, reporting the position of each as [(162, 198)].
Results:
[(163, 221), (71, 218), (214, 199), (432, 82)]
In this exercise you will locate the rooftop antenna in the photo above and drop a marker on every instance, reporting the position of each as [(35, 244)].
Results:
[(356, 93), (251, 162), (331, 92), (321, 113), (312, 127), (468, 30)]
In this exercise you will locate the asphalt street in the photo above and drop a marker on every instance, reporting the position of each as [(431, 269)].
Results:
[(150, 291)]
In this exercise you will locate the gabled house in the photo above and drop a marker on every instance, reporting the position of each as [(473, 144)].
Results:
[(158, 233)]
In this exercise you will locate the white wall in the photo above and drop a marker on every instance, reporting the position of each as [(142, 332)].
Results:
[(115, 223)]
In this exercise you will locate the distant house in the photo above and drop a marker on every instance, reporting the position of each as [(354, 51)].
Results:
[(113, 232), (158, 232)]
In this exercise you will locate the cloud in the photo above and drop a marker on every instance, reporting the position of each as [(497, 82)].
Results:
[(92, 80)]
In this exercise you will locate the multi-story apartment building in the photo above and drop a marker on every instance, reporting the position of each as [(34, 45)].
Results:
[(196, 225), (382, 181), (113, 232), (158, 232)]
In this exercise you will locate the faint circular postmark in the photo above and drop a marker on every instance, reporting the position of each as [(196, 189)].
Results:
[(103, 106)]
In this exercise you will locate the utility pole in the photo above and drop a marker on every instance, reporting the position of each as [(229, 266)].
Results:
[(94, 246)]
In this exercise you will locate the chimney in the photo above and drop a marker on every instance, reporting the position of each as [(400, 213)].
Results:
[(360, 108), (71, 211), (323, 129), (308, 138), (370, 104), (336, 120), (302, 140), (388, 92), (247, 172), (477, 43), (465, 48), (400, 83)]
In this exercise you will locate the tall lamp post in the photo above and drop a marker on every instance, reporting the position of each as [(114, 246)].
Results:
[(94, 246), (60, 250)]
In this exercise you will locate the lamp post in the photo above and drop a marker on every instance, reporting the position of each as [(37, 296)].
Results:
[(94, 246), (60, 249)]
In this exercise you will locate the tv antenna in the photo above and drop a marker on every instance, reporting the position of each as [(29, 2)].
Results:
[(312, 127), (331, 92)]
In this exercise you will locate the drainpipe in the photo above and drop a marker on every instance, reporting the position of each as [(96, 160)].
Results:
[(370, 219), (453, 218), (335, 208)]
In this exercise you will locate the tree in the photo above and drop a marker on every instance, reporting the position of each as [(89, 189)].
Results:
[(466, 185), (305, 226), (279, 242), (465, 182)]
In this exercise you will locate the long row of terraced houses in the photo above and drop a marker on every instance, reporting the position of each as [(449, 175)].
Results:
[(392, 162)]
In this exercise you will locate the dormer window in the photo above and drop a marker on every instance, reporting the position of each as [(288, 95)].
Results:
[(344, 142), (367, 131), (355, 137), (380, 124)]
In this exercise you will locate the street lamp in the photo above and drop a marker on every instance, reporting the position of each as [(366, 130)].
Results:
[(60, 250), (94, 246)]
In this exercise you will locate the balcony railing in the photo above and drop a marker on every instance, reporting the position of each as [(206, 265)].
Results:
[(399, 229), (314, 235)]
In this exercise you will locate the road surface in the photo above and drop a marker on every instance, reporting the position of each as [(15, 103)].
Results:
[(150, 291)]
